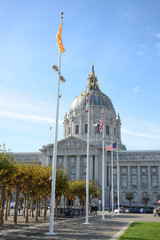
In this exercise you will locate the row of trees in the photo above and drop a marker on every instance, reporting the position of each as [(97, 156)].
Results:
[(33, 183)]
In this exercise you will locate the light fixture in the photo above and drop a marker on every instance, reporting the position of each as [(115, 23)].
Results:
[(55, 68), (63, 80)]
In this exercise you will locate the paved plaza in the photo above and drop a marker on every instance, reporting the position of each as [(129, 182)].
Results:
[(73, 229)]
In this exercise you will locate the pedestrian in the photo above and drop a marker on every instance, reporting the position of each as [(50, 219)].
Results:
[(95, 209), (19, 208)]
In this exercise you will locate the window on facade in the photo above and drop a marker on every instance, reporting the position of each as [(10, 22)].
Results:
[(123, 197), (154, 181), (73, 170), (124, 170), (154, 170), (114, 171), (97, 128), (133, 170), (107, 130), (86, 128), (76, 129), (134, 181), (155, 197), (114, 131), (144, 181), (143, 170), (135, 197), (69, 130), (124, 181)]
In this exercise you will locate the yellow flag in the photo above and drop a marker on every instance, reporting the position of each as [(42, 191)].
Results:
[(59, 39)]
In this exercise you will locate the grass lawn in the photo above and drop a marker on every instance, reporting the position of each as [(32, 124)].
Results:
[(142, 230)]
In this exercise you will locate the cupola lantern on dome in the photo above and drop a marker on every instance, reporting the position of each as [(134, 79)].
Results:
[(97, 98)]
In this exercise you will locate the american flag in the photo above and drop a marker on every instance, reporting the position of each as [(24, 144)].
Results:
[(111, 147), (101, 123), (87, 98)]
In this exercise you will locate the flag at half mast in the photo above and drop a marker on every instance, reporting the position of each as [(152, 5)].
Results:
[(101, 123), (59, 39), (111, 147)]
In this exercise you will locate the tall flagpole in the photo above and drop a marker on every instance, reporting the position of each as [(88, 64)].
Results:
[(112, 169), (54, 159), (117, 179), (103, 172), (87, 163)]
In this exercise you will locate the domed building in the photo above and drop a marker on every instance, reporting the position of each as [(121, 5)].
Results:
[(139, 171)]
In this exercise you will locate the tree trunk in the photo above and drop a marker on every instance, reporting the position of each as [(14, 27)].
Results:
[(24, 206), (56, 201), (37, 207), (45, 208), (26, 209), (16, 205), (2, 202), (64, 204)]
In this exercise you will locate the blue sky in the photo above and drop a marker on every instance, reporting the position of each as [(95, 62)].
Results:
[(121, 36)]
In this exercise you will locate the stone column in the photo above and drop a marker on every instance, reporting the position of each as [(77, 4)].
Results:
[(91, 168), (129, 177), (158, 176), (149, 177), (96, 169), (65, 162), (78, 168), (139, 177)]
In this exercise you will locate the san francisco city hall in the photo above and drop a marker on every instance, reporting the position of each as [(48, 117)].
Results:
[(139, 170)]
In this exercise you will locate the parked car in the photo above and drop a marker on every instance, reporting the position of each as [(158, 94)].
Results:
[(146, 210), (127, 210), (116, 210), (135, 210)]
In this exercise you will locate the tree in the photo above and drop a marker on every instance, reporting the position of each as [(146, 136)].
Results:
[(130, 197), (145, 200), (7, 169)]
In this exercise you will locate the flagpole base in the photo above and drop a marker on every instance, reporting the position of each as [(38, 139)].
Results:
[(51, 233), (86, 223), (103, 218)]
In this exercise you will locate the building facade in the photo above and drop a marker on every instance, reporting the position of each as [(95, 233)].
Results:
[(139, 170)]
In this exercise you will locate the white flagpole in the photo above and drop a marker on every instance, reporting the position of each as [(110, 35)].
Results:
[(54, 159), (103, 171), (117, 179), (87, 163), (112, 170)]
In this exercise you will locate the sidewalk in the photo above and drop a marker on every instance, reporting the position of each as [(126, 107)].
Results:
[(74, 229)]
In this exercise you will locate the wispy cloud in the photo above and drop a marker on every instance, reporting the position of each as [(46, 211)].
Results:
[(21, 116), (138, 134), (157, 46)]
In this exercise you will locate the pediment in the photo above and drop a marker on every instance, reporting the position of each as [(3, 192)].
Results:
[(73, 143)]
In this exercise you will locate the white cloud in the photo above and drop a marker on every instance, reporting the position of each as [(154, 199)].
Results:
[(138, 134), (20, 116), (157, 35)]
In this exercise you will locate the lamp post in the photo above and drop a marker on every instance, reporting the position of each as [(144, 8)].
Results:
[(54, 159)]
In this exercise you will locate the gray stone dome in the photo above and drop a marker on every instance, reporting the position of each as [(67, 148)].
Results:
[(96, 97)]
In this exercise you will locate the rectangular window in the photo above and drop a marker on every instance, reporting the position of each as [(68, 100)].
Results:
[(155, 197), (107, 130), (123, 197), (76, 129), (69, 130), (133, 170), (114, 131), (124, 170), (86, 128)]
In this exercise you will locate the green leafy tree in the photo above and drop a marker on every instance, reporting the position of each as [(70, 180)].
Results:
[(7, 169), (129, 197)]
